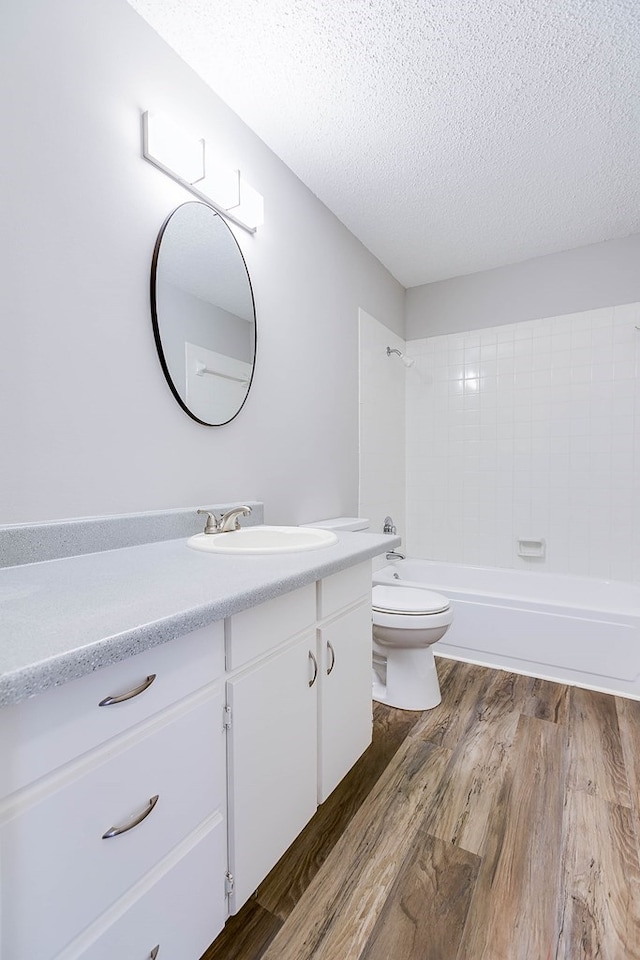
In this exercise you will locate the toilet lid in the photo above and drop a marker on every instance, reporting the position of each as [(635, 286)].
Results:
[(408, 600)]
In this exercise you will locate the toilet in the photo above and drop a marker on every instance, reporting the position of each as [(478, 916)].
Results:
[(407, 621)]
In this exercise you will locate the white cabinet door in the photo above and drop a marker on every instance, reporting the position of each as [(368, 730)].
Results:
[(345, 711), (272, 761)]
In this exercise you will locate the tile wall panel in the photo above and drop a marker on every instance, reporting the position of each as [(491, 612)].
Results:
[(529, 430)]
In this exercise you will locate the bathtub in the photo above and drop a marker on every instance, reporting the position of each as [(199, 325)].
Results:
[(569, 629)]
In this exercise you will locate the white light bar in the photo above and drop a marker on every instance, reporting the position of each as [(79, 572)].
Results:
[(171, 149), (190, 162)]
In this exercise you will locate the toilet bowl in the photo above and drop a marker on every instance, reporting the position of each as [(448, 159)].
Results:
[(406, 622)]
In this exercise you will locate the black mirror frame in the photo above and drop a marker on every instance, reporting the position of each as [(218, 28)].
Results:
[(156, 326)]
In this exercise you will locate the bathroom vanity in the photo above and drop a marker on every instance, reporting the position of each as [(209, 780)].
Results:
[(144, 800)]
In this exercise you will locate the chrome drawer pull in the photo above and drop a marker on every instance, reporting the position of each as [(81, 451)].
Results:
[(333, 658), (131, 693), (315, 669), (154, 953), (116, 831)]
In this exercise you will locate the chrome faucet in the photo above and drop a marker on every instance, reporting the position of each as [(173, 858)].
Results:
[(395, 555), (230, 519), (389, 526), (226, 522)]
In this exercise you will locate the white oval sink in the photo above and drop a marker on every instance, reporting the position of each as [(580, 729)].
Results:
[(263, 540)]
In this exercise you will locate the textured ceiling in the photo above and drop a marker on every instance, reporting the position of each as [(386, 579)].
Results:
[(450, 136), (198, 254)]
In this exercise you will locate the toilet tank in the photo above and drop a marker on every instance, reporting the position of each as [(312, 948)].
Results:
[(340, 523)]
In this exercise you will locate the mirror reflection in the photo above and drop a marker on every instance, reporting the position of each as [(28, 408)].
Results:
[(203, 314)]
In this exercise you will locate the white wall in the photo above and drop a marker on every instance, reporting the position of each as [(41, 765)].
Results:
[(88, 424), (528, 429), (382, 426), (599, 275)]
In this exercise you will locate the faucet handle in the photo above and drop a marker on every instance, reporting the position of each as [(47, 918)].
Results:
[(212, 525), (389, 526)]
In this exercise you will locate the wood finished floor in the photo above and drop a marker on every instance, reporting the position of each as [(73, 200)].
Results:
[(501, 825)]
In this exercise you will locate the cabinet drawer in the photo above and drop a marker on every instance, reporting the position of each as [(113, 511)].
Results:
[(181, 913), (254, 632), (63, 723), (344, 588), (55, 865)]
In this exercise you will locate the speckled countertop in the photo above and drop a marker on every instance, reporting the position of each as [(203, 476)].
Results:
[(61, 619)]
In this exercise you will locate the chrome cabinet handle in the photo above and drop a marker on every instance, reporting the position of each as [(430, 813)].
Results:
[(315, 669), (154, 953), (333, 658), (131, 693), (116, 831)]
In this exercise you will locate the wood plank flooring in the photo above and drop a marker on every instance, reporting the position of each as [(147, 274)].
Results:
[(504, 824)]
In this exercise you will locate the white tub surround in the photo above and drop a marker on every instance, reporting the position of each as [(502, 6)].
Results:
[(528, 432), (381, 425), (61, 619), (569, 629)]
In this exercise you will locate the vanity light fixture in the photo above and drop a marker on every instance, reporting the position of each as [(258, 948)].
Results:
[(189, 161), (171, 149), (251, 207)]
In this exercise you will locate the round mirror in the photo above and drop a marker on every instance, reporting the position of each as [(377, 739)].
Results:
[(204, 319)]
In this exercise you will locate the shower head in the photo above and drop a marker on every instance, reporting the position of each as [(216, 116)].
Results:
[(408, 362)]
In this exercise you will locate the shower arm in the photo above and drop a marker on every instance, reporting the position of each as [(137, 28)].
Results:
[(408, 362)]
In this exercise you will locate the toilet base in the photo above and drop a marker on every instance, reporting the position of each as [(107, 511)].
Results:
[(409, 682)]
